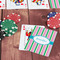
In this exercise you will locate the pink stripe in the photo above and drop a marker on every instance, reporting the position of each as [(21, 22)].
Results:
[(40, 31), (43, 50), (57, 3), (38, 49), (45, 32), (53, 3), (48, 51), (34, 35), (48, 38), (29, 44), (35, 31), (32, 50), (53, 37), (31, 39), (50, 46), (49, 34)]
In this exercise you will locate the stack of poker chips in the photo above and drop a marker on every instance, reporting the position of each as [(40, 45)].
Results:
[(53, 20), (8, 26)]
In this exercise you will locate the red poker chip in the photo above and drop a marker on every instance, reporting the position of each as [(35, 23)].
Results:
[(54, 22), (15, 17), (4, 18)]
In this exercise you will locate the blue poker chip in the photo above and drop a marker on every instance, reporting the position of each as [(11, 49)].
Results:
[(51, 14)]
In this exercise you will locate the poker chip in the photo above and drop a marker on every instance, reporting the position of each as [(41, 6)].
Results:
[(51, 14), (9, 27), (2, 34), (54, 22), (13, 16)]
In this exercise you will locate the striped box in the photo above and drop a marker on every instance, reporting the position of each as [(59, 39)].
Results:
[(41, 49), (55, 3)]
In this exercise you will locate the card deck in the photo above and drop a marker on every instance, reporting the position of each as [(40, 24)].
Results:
[(41, 41), (26, 31)]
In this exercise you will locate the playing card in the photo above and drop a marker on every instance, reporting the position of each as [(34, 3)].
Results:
[(26, 31), (16, 4), (38, 4), (2, 4)]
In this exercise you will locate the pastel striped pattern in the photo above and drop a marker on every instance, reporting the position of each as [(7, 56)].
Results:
[(38, 48), (49, 37), (35, 33), (37, 51), (29, 39), (53, 36), (43, 45), (32, 50), (34, 45), (29, 44), (55, 3), (40, 33), (41, 49)]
